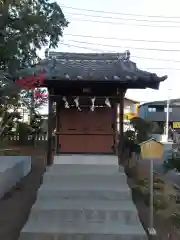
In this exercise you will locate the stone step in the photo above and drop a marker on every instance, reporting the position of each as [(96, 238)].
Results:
[(82, 190), (80, 231), (89, 179), (89, 159), (76, 169), (123, 212)]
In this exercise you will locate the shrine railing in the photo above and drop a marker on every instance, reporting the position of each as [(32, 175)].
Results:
[(25, 140)]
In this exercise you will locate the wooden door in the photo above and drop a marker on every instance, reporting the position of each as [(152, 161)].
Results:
[(86, 131)]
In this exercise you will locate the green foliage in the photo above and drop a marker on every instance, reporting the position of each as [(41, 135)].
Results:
[(175, 218), (31, 102), (25, 27), (129, 139), (160, 201), (9, 105), (173, 162), (36, 124), (142, 129)]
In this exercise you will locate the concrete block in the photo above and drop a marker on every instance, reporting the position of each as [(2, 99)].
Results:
[(12, 169), (81, 231)]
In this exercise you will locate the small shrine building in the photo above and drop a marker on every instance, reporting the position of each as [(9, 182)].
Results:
[(84, 92)]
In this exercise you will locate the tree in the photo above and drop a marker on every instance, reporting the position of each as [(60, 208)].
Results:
[(12, 99), (9, 106), (142, 128), (25, 27), (33, 101)]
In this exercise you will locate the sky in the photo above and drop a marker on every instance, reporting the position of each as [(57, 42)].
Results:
[(114, 22)]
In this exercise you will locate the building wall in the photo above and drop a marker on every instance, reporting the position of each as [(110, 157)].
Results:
[(143, 111), (130, 111), (158, 114)]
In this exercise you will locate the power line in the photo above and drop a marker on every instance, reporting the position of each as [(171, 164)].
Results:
[(171, 69), (91, 49), (120, 13), (97, 50), (121, 18), (123, 39), (157, 59), (129, 47), (125, 23), (148, 58)]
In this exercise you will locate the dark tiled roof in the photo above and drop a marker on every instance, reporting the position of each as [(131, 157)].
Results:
[(96, 67)]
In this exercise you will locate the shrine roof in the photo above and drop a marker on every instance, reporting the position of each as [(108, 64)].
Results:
[(112, 67)]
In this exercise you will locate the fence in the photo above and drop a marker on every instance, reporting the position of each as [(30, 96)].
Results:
[(36, 140)]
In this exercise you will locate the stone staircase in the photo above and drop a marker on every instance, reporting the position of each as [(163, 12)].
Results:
[(83, 202)]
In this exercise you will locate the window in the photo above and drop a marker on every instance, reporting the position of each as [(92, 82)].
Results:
[(150, 109), (127, 109), (165, 109)]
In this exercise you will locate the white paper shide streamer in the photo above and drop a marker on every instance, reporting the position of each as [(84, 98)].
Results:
[(76, 100), (93, 104), (107, 102), (66, 104)]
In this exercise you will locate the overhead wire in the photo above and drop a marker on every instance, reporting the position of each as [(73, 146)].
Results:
[(124, 39), (124, 23), (127, 47), (122, 18), (120, 13), (98, 50)]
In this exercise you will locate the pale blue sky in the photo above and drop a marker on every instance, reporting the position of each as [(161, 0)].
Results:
[(125, 30)]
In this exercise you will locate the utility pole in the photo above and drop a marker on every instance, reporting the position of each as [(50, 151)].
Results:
[(167, 116)]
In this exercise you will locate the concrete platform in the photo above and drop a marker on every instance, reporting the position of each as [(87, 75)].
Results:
[(79, 231), (81, 201), (12, 169)]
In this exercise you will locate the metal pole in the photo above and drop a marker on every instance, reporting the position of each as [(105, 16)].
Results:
[(167, 116), (151, 195), (151, 229), (167, 119)]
